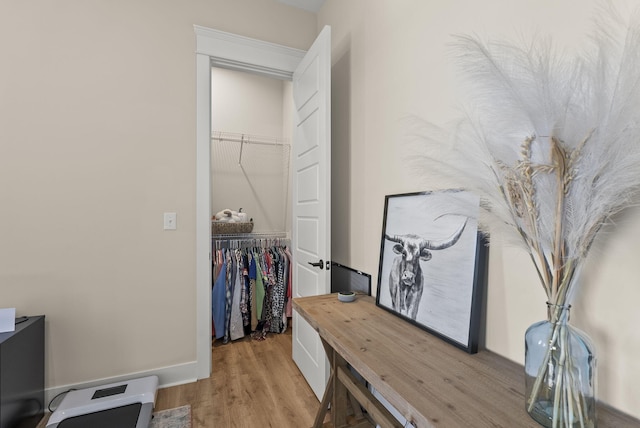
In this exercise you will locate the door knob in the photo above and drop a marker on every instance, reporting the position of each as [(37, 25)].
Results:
[(319, 264)]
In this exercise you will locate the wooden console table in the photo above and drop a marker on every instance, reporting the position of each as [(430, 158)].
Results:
[(430, 382)]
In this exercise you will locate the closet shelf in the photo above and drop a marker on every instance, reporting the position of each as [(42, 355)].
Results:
[(253, 235), (239, 240), (248, 139)]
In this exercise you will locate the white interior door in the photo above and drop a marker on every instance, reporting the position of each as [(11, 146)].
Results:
[(312, 201)]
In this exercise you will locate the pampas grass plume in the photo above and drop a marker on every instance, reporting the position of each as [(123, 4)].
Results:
[(549, 141)]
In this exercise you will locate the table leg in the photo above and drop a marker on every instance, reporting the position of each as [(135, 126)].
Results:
[(324, 405), (355, 406), (339, 402), (338, 395)]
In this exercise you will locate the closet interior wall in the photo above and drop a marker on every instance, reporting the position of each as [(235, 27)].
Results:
[(252, 172), (250, 148)]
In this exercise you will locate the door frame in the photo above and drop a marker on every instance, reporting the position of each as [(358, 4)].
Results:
[(235, 52)]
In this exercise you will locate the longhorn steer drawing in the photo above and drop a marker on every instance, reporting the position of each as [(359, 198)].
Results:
[(406, 281)]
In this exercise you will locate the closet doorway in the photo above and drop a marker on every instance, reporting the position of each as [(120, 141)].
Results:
[(310, 73), (250, 175)]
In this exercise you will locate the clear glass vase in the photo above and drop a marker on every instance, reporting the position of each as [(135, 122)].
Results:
[(560, 366)]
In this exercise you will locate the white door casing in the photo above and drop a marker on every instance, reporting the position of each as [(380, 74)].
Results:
[(312, 201), (226, 50)]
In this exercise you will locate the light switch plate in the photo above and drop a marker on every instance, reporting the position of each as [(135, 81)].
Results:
[(170, 221)]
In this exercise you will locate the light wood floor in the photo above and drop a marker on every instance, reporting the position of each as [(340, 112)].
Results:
[(254, 383)]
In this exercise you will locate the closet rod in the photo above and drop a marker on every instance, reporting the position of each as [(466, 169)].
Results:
[(241, 240), (256, 235), (248, 139)]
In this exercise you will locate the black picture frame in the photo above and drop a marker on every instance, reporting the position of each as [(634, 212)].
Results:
[(433, 264)]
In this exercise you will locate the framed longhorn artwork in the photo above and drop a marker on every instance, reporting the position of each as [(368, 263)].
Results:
[(433, 264)]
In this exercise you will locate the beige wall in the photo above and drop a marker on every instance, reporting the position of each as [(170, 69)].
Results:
[(97, 140), (390, 60)]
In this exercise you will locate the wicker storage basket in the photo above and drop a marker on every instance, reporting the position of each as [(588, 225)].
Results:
[(224, 228)]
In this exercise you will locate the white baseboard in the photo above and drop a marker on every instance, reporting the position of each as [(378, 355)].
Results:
[(169, 376)]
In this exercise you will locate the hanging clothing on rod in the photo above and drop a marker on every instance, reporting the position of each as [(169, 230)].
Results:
[(252, 287)]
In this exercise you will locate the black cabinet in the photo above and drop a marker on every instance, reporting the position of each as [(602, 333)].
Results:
[(22, 374)]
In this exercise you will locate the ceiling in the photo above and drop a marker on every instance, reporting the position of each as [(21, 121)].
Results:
[(309, 5)]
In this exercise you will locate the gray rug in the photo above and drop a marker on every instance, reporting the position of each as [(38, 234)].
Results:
[(180, 417)]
